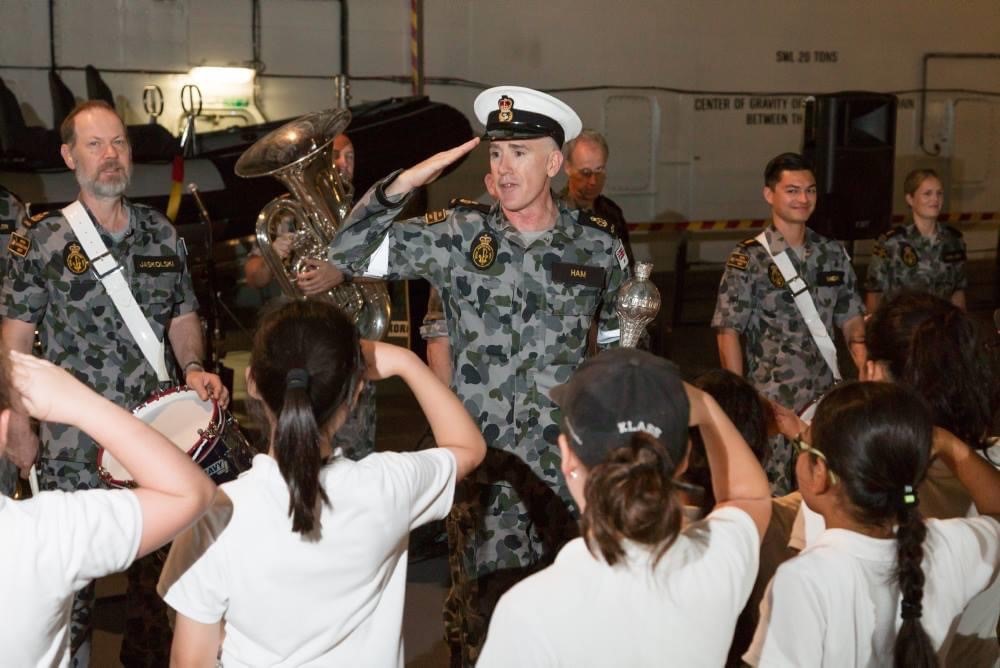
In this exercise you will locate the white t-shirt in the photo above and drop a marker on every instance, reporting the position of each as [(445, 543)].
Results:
[(291, 601), (836, 604), (582, 612), (51, 546)]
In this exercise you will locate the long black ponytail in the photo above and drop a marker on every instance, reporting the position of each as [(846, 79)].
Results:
[(306, 364)]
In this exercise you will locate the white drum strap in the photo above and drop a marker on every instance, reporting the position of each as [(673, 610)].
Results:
[(109, 272), (804, 302)]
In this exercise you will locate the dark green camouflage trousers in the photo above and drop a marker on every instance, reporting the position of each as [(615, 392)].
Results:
[(780, 468), (8, 477), (357, 435), (505, 524), (147, 635)]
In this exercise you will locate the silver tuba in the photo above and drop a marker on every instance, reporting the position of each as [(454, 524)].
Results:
[(298, 155)]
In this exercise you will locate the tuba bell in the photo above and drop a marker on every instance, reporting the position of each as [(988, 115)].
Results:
[(299, 155)]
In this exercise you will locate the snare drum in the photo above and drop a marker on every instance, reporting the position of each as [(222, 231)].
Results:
[(203, 430)]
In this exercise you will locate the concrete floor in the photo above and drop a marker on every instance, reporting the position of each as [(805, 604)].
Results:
[(401, 427)]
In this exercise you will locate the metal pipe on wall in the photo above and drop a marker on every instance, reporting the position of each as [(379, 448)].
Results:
[(417, 46), (52, 34)]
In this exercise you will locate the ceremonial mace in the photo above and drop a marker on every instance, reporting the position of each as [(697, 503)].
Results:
[(637, 304)]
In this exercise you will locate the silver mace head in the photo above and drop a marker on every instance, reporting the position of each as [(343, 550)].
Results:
[(637, 304)]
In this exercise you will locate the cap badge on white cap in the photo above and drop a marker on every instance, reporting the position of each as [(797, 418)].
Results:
[(506, 106)]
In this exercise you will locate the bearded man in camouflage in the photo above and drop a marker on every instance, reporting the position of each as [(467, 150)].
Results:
[(777, 353), (51, 285), (521, 284)]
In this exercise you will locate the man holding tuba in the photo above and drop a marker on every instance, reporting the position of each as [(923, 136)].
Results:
[(521, 284), (357, 436), (321, 276)]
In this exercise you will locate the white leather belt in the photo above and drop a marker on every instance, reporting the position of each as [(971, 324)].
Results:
[(110, 274), (804, 302)]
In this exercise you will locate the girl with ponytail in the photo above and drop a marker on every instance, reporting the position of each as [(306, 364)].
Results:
[(636, 589), (880, 586), (302, 560)]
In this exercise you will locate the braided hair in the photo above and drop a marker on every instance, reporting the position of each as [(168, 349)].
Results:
[(877, 439)]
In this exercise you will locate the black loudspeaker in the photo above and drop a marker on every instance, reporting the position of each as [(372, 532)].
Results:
[(850, 139)]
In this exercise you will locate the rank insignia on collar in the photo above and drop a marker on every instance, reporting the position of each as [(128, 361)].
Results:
[(19, 245), (74, 259), (484, 251), (777, 280), (506, 106), (910, 256)]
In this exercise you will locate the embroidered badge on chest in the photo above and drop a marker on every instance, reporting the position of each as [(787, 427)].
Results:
[(156, 264), (829, 278), (777, 280), (74, 258), (484, 250), (910, 256), (580, 274)]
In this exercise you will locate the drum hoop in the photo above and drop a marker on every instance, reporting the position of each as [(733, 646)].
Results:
[(195, 452), (107, 478)]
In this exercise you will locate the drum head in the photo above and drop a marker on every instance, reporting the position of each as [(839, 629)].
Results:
[(179, 415)]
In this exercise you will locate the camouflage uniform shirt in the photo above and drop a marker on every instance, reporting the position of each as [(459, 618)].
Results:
[(780, 357), (51, 284), (518, 313), (11, 216), (904, 258), (606, 208)]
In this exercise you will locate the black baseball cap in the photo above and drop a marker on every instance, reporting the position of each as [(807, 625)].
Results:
[(617, 393)]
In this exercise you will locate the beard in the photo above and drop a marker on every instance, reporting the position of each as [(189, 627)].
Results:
[(108, 187)]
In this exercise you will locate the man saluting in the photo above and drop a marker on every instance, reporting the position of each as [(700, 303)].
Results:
[(521, 284)]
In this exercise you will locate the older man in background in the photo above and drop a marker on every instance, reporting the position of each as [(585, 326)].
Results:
[(586, 166)]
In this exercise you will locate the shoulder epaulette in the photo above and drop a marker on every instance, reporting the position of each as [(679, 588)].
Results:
[(952, 230), (432, 217), (588, 219), (752, 241), (31, 221), (465, 203), (894, 231)]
